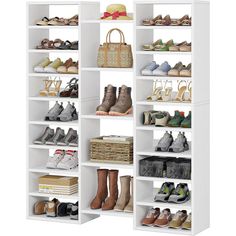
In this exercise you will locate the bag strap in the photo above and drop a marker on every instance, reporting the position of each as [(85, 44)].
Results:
[(122, 37)]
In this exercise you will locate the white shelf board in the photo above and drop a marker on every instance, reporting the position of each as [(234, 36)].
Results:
[(64, 219), (108, 213), (155, 2), (52, 51), (53, 75), (164, 179), (151, 152), (170, 27), (163, 53), (107, 69), (157, 103), (57, 123), (107, 21), (74, 196), (107, 165), (53, 27), (42, 169), (150, 202), (164, 230), (163, 78), (35, 146), (128, 117), (53, 99), (154, 128)]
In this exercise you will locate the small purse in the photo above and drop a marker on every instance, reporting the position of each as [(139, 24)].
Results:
[(116, 55)]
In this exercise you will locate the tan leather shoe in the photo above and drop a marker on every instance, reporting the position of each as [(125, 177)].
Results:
[(113, 190), (40, 207), (176, 69), (163, 219), (101, 190), (151, 216), (129, 207), (178, 219)]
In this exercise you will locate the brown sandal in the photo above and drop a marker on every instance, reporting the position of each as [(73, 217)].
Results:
[(150, 22), (45, 44), (164, 22), (178, 22), (74, 20), (57, 43)]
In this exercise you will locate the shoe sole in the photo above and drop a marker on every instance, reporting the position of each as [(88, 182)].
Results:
[(101, 113), (113, 113)]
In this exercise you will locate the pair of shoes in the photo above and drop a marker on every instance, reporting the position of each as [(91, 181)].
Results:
[(47, 85), (57, 66), (168, 193), (164, 218), (58, 138), (163, 118), (158, 45), (166, 94), (125, 200), (166, 21), (182, 47), (155, 69), (58, 113), (56, 21), (111, 105), (71, 90), (57, 44), (180, 70), (168, 144), (62, 159), (55, 208)]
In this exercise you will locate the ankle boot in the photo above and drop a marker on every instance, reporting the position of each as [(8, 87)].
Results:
[(108, 101), (102, 189), (123, 105), (129, 207), (113, 190), (125, 193)]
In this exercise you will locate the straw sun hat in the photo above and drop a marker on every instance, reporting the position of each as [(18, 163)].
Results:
[(116, 12)]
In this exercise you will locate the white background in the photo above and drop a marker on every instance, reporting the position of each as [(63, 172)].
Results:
[(13, 127)]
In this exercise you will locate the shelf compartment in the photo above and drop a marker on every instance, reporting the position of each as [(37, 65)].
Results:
[(53, 99), (128, 117), (108, 213), (155, 103), (163, 78), (164, 230), (57, 123), (52, 51), (74, 196), (164, 179), (42, 169), (154, 128), (53, 75), (107, 69), (64, 219), (52, 147), (108, 165)]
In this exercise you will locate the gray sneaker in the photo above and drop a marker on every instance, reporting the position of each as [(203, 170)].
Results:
[(74, 142), (149, 117), (181, 194), (60, 134), (54, 112), (68, 114), (180, 144), (165, 142), (48, 133), (71, 134), (164, 193)]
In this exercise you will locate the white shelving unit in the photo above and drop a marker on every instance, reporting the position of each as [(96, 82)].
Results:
[(90, 34)]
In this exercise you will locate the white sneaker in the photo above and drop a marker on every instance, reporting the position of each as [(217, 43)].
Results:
[(55, 159), (69, 161)]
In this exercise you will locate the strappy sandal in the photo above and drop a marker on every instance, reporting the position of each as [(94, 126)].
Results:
[(65, 45), (56, 90), (68, 89), (53, 21), (47, 85), (149, 22), (43, 22), (150, 47), (156, 93), (74, 20), (57, 43), (187, 22), (190, 92), (178, 22), (181, 90), (74, 45), (45, 44), (166, 96), (163, 22)]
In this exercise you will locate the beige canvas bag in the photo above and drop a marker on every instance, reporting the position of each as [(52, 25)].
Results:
[(117, 55)]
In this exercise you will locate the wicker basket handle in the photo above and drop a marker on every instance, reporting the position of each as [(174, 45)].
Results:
[(122, 37)]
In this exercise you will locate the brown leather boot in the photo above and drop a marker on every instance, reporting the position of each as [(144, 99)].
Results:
[(125, 193), (129, 207), (102, 189), (113, 190), (123, 105), (108, 101)]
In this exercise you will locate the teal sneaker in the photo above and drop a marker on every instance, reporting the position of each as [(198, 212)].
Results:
[(176, 120), (186, 123)]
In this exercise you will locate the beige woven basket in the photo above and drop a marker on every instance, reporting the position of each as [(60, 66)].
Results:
[(111, 151)]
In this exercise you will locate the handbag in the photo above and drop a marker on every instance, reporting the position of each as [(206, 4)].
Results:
[(116, 55)]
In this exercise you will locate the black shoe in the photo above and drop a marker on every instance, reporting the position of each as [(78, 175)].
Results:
[(74, 211), (64, 209)]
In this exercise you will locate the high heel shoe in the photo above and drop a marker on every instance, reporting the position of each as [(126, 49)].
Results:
[(56, 90), (190, 91), (68, 89), (156, 93), (181, 91), (47, 85), (167, 92)]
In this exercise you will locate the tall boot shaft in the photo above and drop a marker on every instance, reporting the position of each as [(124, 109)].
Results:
[(129, 207), (101, 190)]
